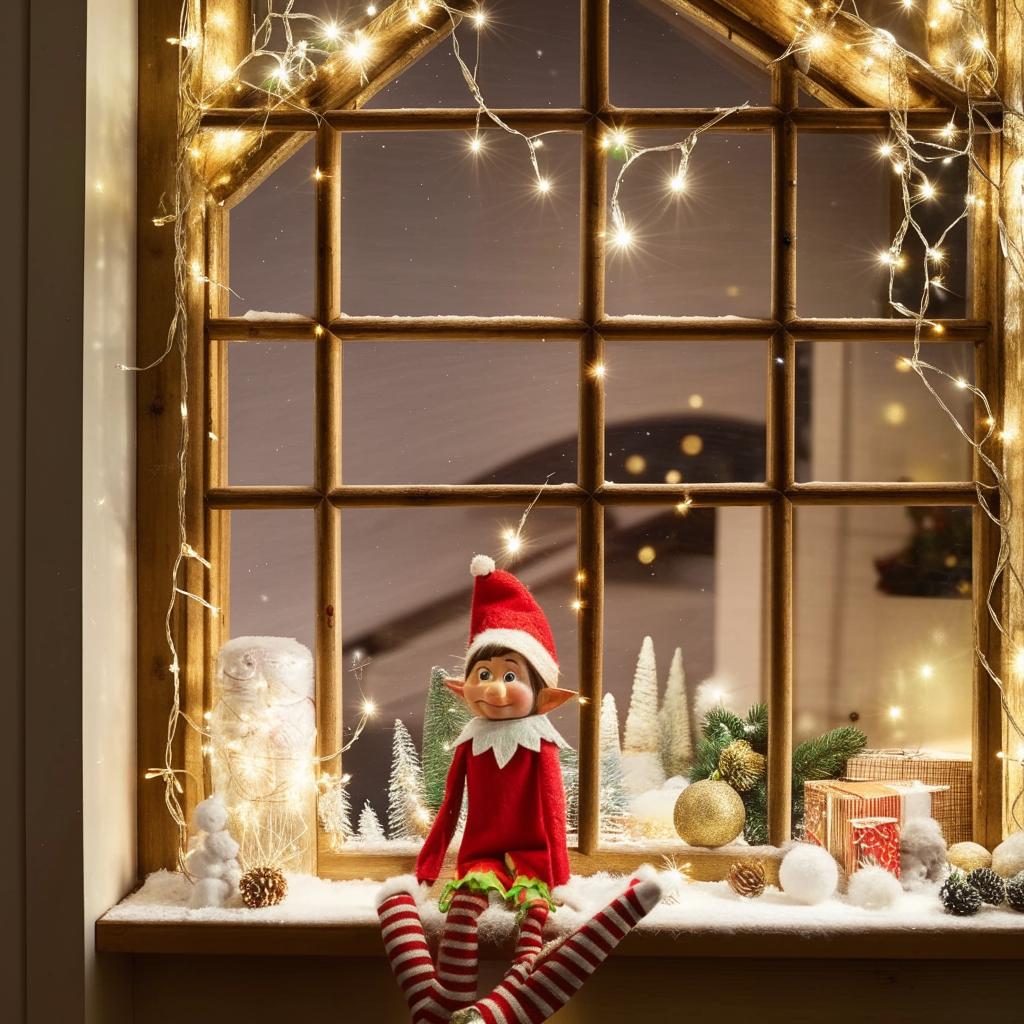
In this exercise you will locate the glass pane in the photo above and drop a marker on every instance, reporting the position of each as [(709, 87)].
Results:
[(862, 413), (529, 57), (430, 228), (273, 581), (406, 592), (685, 411), (272, 250), (884, 634), (661, 58), (459, 412), (704, 251), (849, 209), (692, 583), (270, 412)]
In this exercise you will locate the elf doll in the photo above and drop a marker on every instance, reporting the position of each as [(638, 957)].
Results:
[(513, 844)]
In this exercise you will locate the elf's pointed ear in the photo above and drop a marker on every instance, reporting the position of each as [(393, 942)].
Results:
[(455, 685), (551, 697)]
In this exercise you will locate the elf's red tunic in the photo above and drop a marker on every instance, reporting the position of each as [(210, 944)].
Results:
[(515, 820)]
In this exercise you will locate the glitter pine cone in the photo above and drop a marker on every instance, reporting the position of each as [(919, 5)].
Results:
[(747, 878), (990, 886), (263, 887), (958, 897), (741, 766), (1015, 892)]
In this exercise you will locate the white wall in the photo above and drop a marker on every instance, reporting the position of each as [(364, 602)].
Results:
[(108, 491)]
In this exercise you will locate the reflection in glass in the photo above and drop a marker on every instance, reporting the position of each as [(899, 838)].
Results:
[(685, 412), (884, 625), (459, 412)]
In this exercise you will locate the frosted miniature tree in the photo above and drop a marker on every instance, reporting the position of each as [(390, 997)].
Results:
[(570, 764), (408, 817), (334, 809), (676, 738), (613, 803), (370, 830), (443, 720), (641, 761)]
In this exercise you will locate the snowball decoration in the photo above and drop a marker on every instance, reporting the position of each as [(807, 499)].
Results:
[(922, 853), (1008, 856), (874, 888), (651, 814), (481, 565), (262, 749), (968, 856), (211, 856), (808, 874)]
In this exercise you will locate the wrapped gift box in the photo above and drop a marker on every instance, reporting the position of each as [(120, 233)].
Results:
[(877, 841), (951, 807), (832, 806)]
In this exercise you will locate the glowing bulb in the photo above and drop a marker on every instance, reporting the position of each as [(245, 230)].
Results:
[(683, 507), (677, 183), (646, 555), (961, 383), (926, 190), (895, 713), (319, 176), (938, 329), (908, 4), (885, 149), (577, 605), (936, 255), (895, 414), (513, 542), (332, 31), (479, 18), (927, 671), (959, 70), (815, 41), (543, 186), (904, 364), (369, 708), (476, 144), (623, 237), (1008, 434), (598, 370), (978, 43), (358, 49), (371, 10), (949, 131)]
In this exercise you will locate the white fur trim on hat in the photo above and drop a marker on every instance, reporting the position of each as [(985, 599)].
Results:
[(523, 643), (482, 565)]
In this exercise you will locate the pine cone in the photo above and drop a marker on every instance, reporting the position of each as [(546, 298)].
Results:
[(958, 897), (747, 878), (263, 887), (741, 766), (991, 888), (1015, 892)]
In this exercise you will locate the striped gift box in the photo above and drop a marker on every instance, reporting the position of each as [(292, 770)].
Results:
[(951, 808), (830, 807)]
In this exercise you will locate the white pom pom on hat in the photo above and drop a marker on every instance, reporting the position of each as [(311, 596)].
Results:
[(481, 565)]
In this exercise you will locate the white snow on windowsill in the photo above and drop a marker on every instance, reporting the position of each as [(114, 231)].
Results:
[(704, 907), (260, 315)]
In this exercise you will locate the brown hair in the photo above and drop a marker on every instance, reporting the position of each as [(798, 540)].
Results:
[(490, 651)]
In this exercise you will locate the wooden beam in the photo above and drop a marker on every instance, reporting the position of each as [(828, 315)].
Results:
[(398, 37)]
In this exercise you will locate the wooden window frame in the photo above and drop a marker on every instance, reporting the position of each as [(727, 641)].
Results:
[(212, 499)]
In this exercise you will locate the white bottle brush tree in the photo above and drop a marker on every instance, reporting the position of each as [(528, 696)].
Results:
[(641, 753), (613, 803), (676, 737), (370, 828), (408, 815)]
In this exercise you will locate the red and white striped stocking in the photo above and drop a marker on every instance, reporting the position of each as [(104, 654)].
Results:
[(530, 941), (558, 973), (458, 952)]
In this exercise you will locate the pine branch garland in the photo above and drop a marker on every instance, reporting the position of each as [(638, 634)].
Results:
[(825, 756)]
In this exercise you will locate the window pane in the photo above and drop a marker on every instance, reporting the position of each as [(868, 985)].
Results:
[(849, 208), (662, 58), (691, 583), (704, 251), (884, 625), (529, 57), (273, 581), (685, 411), (406, 592), (459, 412), (272, 251), (862, 413), (430, 228), (270, 412)]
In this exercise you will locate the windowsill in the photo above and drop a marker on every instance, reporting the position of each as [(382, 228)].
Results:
[(324, 918)]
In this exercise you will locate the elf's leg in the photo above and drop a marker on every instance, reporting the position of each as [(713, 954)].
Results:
[(530, 941), (406, 947), (559, 972), (457, 954)]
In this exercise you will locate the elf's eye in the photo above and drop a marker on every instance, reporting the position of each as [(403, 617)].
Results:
[(510, 677), (485, 675)]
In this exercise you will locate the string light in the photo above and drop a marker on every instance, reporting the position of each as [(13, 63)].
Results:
[(479, 18), (543, 186), (476, 144), (598, 370)]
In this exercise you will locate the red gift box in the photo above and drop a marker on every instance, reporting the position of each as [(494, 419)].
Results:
[(876, 841), (831, 806)]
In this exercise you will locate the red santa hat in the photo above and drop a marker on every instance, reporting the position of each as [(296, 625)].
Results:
[(504, 613)]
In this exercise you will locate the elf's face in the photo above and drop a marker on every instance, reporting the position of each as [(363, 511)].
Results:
[(500, 688)]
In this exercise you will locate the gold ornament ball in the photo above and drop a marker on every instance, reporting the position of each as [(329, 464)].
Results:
[(709, 813), (968, 856)]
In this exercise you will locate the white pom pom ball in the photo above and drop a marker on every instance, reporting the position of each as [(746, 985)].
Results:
[(808, 874), (221, 845), (482, 565), (922, 853), (209, 892), (1008, 856), (210, 815), (874, 888)]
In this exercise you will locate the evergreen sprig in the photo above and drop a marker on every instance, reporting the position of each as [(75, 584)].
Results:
[(825, 756)]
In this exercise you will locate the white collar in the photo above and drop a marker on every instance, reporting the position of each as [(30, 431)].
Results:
[(505, 736)]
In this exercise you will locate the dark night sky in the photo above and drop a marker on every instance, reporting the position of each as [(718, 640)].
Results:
[(427, 228)]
